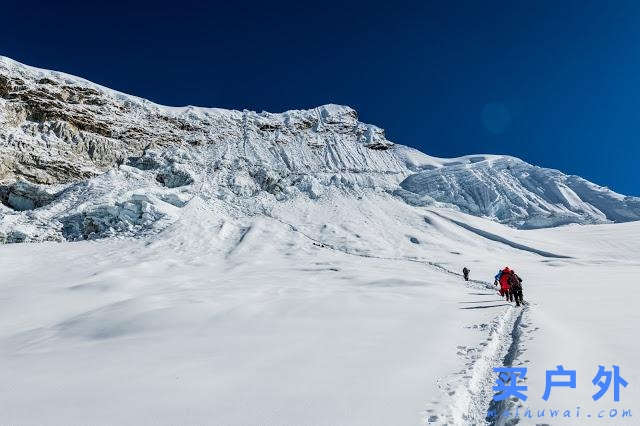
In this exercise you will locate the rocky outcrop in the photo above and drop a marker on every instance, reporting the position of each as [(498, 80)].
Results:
[(60, 135), (58, 128)]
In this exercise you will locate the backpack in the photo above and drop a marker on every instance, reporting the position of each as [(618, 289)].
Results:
[(515, 282)]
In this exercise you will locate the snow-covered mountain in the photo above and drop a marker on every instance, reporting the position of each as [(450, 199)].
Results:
[(293, 268), (516, 193), (78, 160)]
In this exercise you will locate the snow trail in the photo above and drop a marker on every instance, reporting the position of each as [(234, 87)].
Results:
[(497, 407), (474, 399)]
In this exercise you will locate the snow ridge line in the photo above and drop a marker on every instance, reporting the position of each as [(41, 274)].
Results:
[(434, 265), (499, 239)]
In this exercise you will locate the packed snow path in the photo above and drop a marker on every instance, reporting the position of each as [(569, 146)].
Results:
[(473, 398)]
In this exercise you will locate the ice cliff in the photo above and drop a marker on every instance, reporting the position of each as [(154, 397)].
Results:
[(79, 161)]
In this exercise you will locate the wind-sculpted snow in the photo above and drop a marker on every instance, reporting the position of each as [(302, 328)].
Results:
[(499, 239), (81, 161), (511, 191)]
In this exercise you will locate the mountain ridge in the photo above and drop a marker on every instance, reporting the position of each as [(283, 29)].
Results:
[(79, 160)]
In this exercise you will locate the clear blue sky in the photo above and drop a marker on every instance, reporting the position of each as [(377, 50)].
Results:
[(556, 83)]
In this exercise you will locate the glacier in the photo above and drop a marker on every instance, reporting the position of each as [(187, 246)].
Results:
[(81, 161)]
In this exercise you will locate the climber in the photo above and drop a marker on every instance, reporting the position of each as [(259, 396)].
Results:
[(465, 273), (515, 288), (502, 278)]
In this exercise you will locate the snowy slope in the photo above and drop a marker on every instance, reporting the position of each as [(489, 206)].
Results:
[(343, 312), (80, 161)]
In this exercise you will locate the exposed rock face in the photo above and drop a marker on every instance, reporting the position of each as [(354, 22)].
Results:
[(80, 161), (58, 128), (61, 131)]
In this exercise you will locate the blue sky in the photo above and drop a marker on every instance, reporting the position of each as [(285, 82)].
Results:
[(554, 83)]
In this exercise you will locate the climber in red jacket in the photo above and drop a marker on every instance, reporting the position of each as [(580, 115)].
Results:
[(503, 279)]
